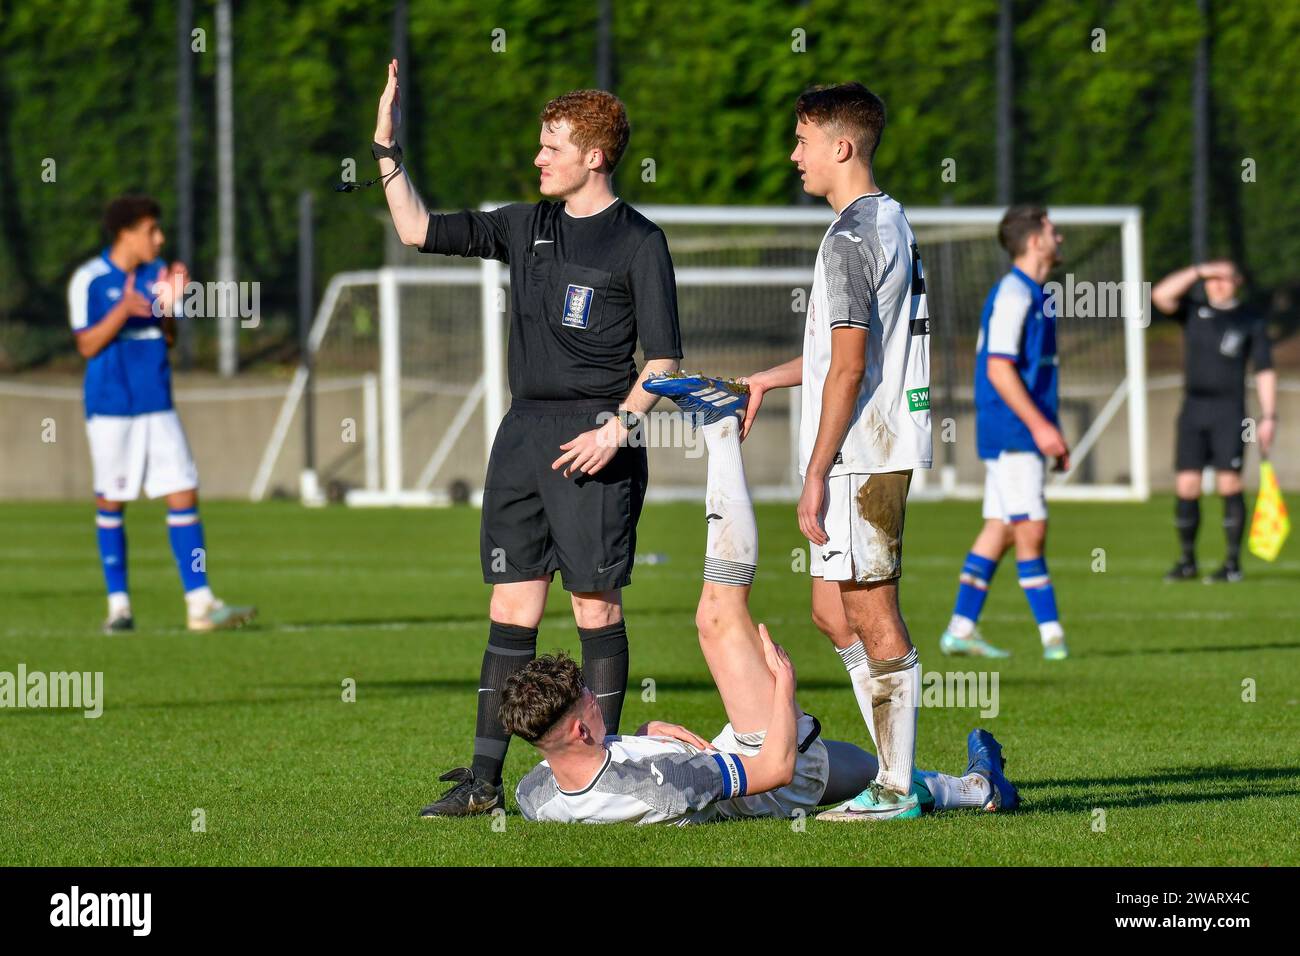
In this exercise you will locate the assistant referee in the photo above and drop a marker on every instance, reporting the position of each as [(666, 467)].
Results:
[(589, 278), (1220, 333)]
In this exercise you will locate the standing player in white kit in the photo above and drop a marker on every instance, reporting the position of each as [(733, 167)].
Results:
[(866, 425)]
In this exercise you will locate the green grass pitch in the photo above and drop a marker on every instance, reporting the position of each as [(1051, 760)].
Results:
[(1147, 722)]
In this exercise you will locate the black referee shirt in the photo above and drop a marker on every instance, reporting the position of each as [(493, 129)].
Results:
[(1216, 345), (582, 292)]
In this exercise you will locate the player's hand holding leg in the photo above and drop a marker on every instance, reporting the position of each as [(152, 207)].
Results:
[(757, 389), (778, 662)]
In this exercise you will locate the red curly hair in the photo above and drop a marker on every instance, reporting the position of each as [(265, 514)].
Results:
[(597, 120)]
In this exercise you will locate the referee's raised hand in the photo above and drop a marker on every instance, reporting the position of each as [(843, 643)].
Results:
[(390, 109)]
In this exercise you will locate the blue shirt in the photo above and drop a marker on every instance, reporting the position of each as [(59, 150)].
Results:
[(131, 375), (1015, 325)]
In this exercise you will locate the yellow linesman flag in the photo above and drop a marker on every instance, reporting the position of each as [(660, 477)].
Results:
[(1270, 526)]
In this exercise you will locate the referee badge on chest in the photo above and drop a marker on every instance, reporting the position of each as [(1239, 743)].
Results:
[(577, 306), (1231, 343)]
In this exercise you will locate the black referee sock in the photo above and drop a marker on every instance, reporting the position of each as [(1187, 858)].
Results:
[(1187, 519), (604, 668), (1234, 523), (509, 648)]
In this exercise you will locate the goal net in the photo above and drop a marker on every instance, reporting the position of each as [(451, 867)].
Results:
[(413, 355)]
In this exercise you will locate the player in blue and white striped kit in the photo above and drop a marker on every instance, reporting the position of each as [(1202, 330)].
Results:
[(1016, 428), (121, 305)]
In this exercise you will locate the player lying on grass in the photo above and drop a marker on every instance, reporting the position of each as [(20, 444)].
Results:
[(770, 759)]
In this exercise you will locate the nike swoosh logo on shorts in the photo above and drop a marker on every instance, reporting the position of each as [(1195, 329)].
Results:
[(610, 568), (538, 242)]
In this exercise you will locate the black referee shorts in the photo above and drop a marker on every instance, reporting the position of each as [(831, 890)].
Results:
[(537, 522), (1209, 433)]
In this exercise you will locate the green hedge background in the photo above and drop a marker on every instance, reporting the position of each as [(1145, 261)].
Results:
[(709, 88)]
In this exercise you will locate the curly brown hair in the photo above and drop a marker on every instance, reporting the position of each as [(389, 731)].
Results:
[(537, 695), (597, 120), (849, 108)]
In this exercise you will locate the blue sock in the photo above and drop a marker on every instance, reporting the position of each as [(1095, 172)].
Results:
[(973, 589), (1038, 590), (111, 531), (186, 533)]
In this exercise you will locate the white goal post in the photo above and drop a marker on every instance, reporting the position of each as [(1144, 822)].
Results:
[(426, 343)]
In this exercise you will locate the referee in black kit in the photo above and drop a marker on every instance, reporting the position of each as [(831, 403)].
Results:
[(589, 276), (1220, 333)]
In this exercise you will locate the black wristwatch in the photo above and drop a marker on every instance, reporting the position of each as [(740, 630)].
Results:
[(393, 152), (630, 419)]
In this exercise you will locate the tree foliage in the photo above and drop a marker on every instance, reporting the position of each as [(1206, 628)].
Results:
[(709, 88)]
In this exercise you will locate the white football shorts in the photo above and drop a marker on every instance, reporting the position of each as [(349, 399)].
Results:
[(131, 453), (812, 768), (1013, 487), (863, 518)]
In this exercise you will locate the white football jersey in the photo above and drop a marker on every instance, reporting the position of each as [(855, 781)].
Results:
[(869, 276), (643, 780), (663, 780)]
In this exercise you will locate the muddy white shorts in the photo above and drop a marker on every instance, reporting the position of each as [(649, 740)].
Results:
[(131, 453), (1013, 487), (864, 522)]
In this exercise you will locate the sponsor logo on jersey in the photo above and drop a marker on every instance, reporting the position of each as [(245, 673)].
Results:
[(577, 306), (918, 399)]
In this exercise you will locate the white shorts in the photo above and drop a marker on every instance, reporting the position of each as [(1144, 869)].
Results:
[(1013, 487), (134, 452), (864, 522), (812, 768)]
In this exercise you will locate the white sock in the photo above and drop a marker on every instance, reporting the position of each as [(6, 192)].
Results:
[(855, 662), (961, 626), (895, 696), (119, 604), (750, 742), (954, 793), (1051, 632), (198, 600), (731, 553)]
